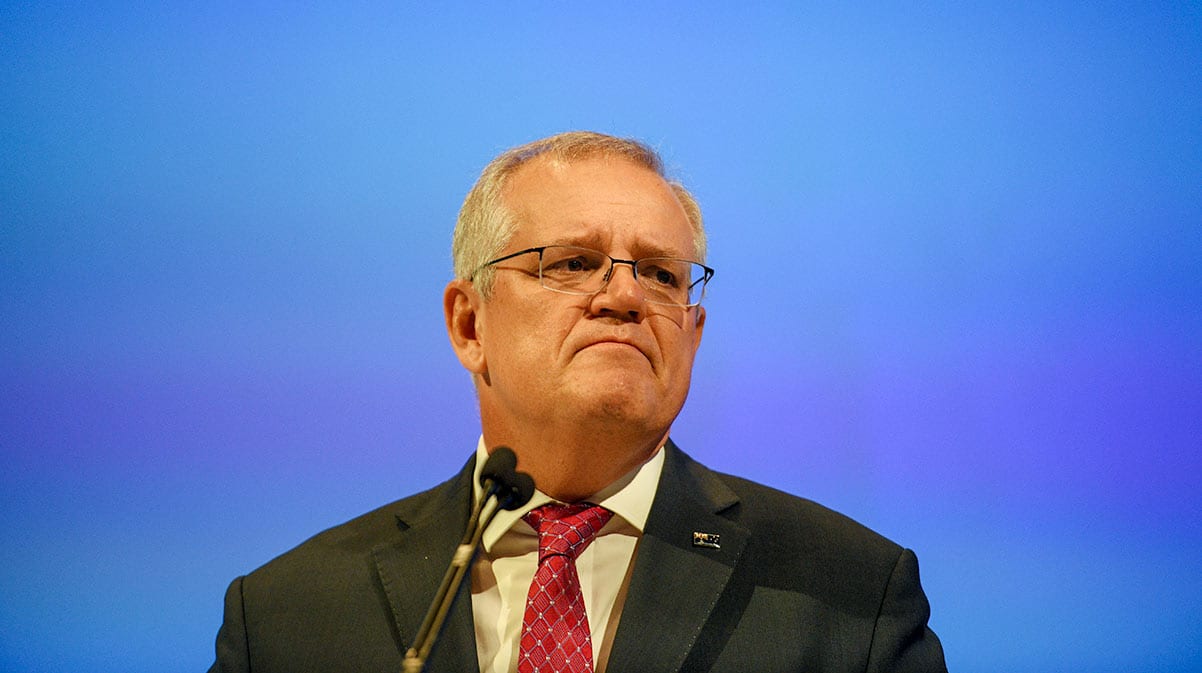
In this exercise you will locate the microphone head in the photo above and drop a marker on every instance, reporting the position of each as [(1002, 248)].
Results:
[(517, 491), (499, 475), (500, 465)]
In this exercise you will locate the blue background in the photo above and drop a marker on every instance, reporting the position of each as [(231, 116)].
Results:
[(959, 291)]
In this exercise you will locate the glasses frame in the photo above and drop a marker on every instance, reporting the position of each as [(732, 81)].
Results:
[(632, 263)]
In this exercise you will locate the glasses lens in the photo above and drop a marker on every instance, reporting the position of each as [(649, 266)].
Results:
[(665, 280), (576, 270), (668, 280)]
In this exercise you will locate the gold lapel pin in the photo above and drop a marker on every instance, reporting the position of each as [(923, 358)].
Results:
[(707, 540)]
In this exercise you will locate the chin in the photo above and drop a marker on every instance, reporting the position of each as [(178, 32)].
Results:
[(612, 398), (633, 412), (622, 410), (616, 394)]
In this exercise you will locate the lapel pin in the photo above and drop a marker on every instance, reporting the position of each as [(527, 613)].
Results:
[(707, 540)]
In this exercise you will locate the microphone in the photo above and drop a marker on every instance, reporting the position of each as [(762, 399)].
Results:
[(500, 477), (503, 488)]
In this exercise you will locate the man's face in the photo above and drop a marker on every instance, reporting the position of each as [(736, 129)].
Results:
[(606, 358)]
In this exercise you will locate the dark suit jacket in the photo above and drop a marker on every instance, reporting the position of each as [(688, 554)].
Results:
[(793, 587)]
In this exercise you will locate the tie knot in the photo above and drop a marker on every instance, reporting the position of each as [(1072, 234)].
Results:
[(566, 529)]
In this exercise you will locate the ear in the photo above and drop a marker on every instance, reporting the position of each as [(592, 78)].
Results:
[(698, 327), (460, 304)]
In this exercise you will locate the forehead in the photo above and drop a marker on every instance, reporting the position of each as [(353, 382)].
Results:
[(610, 203)]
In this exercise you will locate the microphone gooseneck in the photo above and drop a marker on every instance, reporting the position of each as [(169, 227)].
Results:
[(503, 487)]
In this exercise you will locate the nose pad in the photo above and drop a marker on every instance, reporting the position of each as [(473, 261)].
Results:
[(625, 297), (609, 277)]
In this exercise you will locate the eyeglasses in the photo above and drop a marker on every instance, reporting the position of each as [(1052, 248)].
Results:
[(571, 270)]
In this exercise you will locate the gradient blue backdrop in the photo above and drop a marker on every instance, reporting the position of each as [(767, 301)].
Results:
[(959, 292)]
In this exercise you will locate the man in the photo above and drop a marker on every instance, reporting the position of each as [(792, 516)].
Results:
[(576, 310)]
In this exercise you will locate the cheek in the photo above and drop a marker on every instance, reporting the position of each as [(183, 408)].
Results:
[(531, 339), (677, 345)]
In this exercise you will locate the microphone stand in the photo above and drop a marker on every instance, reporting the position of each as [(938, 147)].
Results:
[(503, 489)]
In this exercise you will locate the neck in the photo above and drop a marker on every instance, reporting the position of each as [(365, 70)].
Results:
[(571, 466)]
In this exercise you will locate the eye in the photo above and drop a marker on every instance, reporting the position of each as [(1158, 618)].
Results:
[(567, 264), (665, 278), (661, 276), (577, 264)]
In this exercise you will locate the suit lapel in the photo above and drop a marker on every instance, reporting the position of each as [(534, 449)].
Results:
[(675, 584), (673, 589), (411, 568)]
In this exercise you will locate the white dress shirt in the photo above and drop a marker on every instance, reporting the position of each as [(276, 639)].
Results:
[(505, 567)]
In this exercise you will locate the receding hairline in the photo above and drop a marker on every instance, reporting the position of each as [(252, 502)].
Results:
[(579, 145), (485, 223), (649, 161), (559, 163)]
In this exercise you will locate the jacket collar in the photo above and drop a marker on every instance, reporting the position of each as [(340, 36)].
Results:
[(675, 585), (411, 568)]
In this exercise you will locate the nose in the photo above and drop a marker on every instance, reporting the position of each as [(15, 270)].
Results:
[(621, 296)]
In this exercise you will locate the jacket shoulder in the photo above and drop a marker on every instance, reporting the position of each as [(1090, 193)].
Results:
[(789, 520), (797, 522), (794, 543)]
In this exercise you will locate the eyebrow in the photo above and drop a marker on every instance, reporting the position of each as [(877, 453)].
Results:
[(641, 250)]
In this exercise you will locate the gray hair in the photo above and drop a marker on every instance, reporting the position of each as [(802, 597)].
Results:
[(485, 225)]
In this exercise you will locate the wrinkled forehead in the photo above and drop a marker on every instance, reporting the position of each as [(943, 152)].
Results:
[(604, 203)]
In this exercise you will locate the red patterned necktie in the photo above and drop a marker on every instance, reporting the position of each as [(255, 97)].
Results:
[(555, 633)]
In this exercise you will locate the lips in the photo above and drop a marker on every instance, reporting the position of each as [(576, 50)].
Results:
[(613, 343), (616, 341)]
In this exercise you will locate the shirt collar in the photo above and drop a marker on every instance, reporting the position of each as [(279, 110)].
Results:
[(628, 497)]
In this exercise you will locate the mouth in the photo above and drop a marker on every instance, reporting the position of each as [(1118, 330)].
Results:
[(616, 345)]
